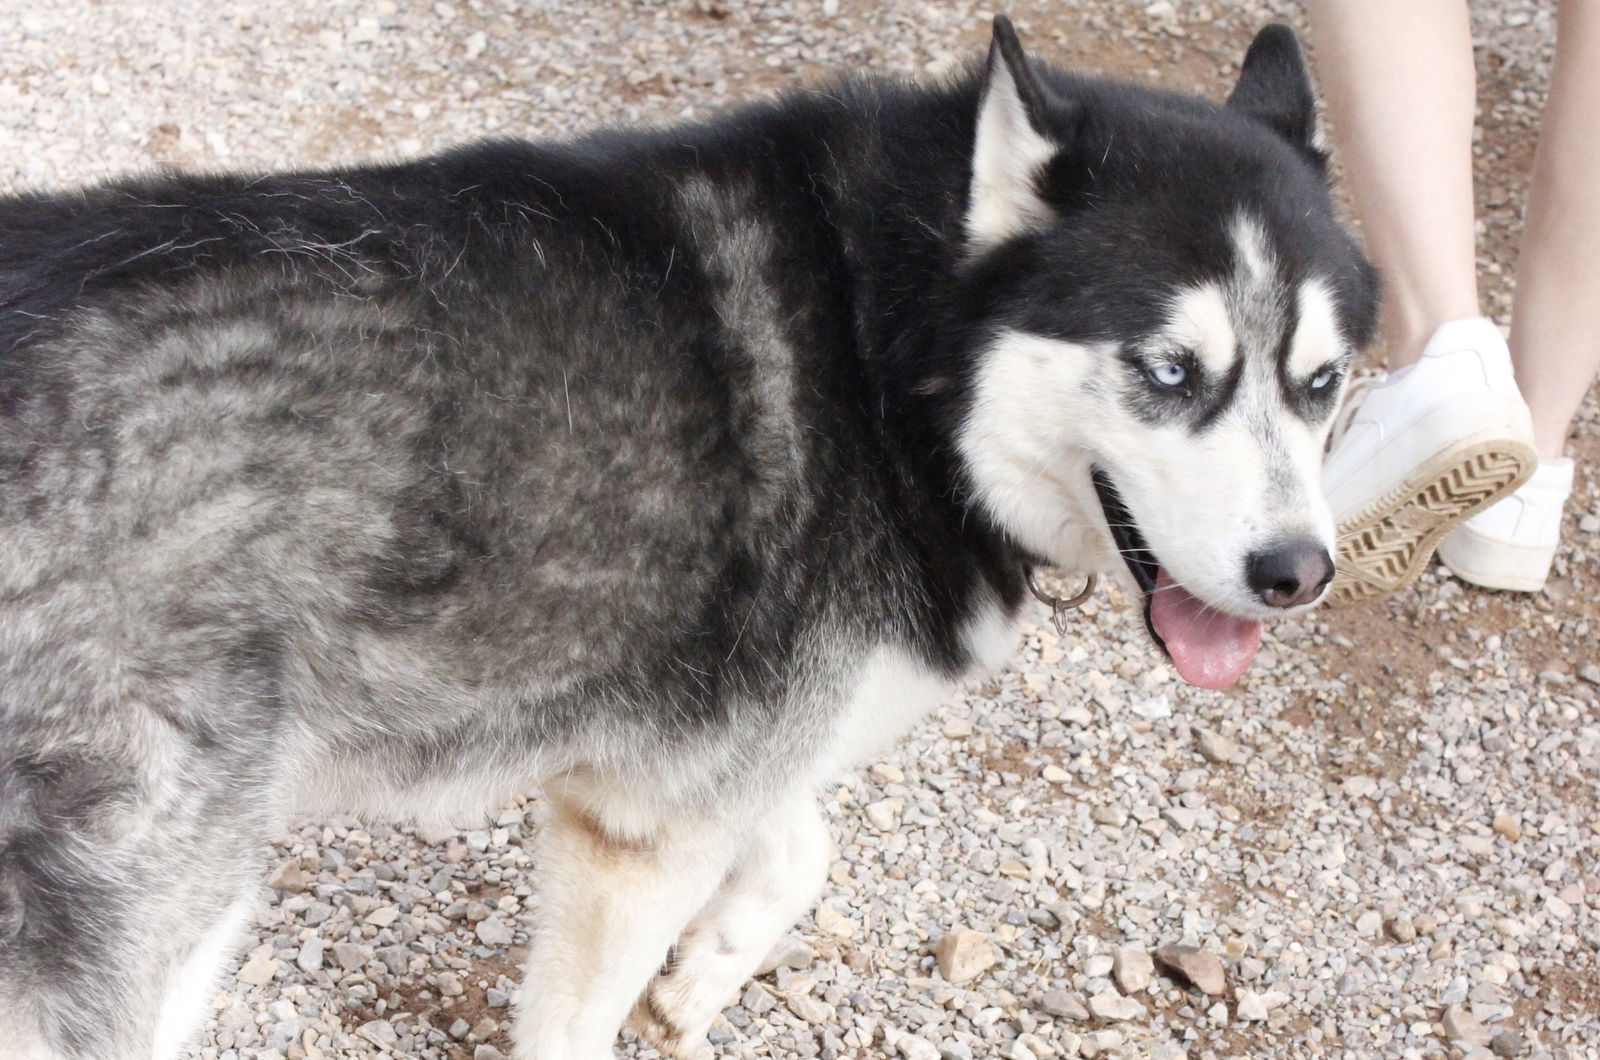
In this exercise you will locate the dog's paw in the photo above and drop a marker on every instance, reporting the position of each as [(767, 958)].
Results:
[(669, 1017), (656, 1030)]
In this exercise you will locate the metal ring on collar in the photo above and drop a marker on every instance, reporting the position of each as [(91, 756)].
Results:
[(1058, 606)]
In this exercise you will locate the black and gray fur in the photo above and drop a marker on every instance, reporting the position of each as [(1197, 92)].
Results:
[(405, 485)]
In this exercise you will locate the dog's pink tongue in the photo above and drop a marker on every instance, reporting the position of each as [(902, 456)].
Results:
[(1209, 648)]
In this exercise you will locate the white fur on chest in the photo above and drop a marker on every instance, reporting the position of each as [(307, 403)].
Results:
[(894, 688)]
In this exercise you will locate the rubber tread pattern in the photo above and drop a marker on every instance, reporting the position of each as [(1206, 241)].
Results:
[(1386, 547)]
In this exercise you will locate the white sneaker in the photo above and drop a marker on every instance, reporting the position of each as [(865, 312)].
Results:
[(1510, 545), (1416, 453)]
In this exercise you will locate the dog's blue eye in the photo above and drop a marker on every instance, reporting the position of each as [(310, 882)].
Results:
[(1169, 374), (1322, 379)]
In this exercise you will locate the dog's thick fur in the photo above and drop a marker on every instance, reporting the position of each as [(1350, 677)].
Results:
[(671, 471)]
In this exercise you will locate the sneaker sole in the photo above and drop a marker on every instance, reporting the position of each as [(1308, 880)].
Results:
[(1385, 548)]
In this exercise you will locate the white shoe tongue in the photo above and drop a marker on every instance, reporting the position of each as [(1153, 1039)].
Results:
[(1209, 648)]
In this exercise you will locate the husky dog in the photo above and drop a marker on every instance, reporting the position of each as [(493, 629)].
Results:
[(672, 471)]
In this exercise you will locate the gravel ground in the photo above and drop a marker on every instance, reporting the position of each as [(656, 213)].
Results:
[(1382, 843)]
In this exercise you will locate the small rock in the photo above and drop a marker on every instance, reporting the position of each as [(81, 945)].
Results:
[(1401, 929), (1154, 709), (789, 952), (1507, 826), (1462, 1026), (956, 728), (885, 813), (1055, 774), (383, 916), (487, 1052), (1507, 1043), (494, 932), (810, 1009), (1215, 747), (496, 998), (290, 876), (350, 955), (1251, 1006), (758, 1000), (1194, 965), (1062, 1005), (258, 970), (884, 773), (1132, 970), (450, 985), (1180, 817), (1358, 787), (832, 922), (964, 954), (310, 956), (914, 1048), (1113, 1006), (1116, 816), (395, 958)]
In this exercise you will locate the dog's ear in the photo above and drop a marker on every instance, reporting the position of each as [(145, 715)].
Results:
[(1275, 89), (1011, 147)]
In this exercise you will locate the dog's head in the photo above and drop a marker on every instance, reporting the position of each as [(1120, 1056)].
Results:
[(1171, 309)]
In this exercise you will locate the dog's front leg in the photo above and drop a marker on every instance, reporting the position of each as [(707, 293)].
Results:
[(611, 905), (775, 879)]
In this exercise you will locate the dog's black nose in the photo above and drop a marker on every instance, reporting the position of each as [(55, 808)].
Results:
[(1289, 574)]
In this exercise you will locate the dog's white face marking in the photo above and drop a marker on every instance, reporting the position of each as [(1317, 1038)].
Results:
[(1028, 464), (1008, 154), (1201, 323), (1207, 485), (1316, 342), (1250, 244)]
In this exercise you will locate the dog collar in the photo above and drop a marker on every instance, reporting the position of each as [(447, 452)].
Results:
[(1058, 606)]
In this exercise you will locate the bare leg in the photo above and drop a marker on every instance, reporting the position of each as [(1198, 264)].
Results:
[(1401, 87), (1427, 449), (1555, 337)]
